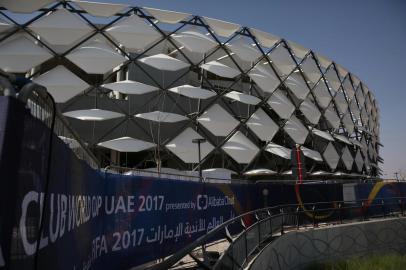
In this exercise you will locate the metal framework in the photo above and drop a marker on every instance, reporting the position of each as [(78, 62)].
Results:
[(337, 102)]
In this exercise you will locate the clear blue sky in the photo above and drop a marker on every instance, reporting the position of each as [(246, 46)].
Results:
[(368, 37)]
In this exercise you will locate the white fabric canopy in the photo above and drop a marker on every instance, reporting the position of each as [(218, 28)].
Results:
[(218, 173), (20, 54), (133, 33), (164, 62), (262, 125), (167, 16), (332, 79), (192, 91), (341, 70), (101, 9), (341, 102), (184, 148), (298, 50), (195, 41), (243, 98), (240, 148), (61, 27), (281, 104), (288, 172), (61, 83), (332, 117), (4, 26), (322, 95), (129, 87), (359, 161), (347, 158), (342, 138), (265, 39), (255, 172), (282, 59), (220, 69), (311, 70), (296, 130), (323, 61), (264, 77), (127, 144), (278, 150), (311, 154), (159, 116), (97, 57), (298, 86), (93, 115), (320, 173), (218, 121), (222, 28), (24, 6), (245, 51), (356, 142), (323, 134), (331, 156), (310, 111)]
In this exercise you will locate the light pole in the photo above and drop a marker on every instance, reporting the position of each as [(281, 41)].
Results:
[(199, 141)]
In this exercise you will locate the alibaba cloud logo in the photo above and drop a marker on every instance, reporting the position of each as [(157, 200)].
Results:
[(202, 202)]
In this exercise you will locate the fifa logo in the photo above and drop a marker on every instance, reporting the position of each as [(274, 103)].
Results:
[(202, 202)]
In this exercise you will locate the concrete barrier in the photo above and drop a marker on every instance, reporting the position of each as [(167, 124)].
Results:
[(300, 249)]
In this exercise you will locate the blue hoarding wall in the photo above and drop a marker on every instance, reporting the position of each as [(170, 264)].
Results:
[(99, 220)]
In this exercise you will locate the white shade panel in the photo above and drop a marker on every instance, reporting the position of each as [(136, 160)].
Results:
[(217, 173), (61, 27), (282, 59), (342, 72), (360, 96), (24, 6), (348, 124), (262, 125), (4, 26), (164, 62), (349, 91), (347, 158), (331, 156), (167, 16), (320, 173), (264, 39), (240, 148), (192, 91), (298, 50), (359, 161), (245, 51), (256, 172), (278, 150), (323, 61), (243, 98), (332, 79), (322, 94), (20, 54), (310, 111), (297, 85), (296, 130), (195, 41), (357, 143), (184, 148), (61, 83), (133, 33), (93, 115), (332, 117), (97, 57), (220, 69), (323, 134), (127, 144), (222, 28), (311, 154), (159, 116), (341, 102), (280, 103), (342, 139), (311, 70), (264, 77), (100, 9), (130, 87), (218, 121)]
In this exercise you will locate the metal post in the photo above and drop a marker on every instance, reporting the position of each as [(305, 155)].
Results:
[(340, 213), (297, 218), (199, 141), (314, 216)]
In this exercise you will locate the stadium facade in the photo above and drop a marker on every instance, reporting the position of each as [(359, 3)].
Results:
[(140, 85)]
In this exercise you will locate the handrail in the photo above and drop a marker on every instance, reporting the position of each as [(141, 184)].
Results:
[(44, 108), (363, 205)]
